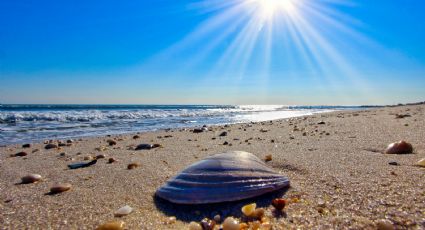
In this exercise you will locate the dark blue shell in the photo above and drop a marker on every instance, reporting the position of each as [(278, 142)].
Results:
[(228, 176)]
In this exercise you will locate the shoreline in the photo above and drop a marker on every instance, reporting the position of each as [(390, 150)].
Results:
[(336, 169)]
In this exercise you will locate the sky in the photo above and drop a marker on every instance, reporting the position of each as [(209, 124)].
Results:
[(294, 52)]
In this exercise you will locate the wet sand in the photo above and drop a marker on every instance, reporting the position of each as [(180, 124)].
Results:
[(334, 161)]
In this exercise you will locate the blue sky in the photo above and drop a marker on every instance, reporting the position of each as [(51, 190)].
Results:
[(212, 52)]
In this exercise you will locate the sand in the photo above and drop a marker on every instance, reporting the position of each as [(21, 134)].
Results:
[(336, 169)]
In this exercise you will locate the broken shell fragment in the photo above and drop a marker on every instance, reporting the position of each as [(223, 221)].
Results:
[(31, 178), (223, 177), (112, 225), (401, 147), (123, 211), (249, 209), (421, 163)]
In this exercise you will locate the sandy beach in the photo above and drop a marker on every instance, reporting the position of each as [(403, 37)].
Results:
[(339, 174)]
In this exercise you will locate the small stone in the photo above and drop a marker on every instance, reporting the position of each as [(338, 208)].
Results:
[(384, 225), (20, 154), (321, 123), (60, 187), (279, 203), (144, 147), (111, 142), (268, 158), (123, 211), (401, 147), (31, 178), (133, 165), (194, 226), (100, 156), (207, 224), (248, 210), (217, 218), (198, 130), (26, 146), (393, 163), (230, 223), (258, 213), (62, 154), (225, 143), (157, 146), (421, 163), (111, 160), (112, 225), (88, 158), (136, 137), (223, 134), (51, 146), (70, 141)]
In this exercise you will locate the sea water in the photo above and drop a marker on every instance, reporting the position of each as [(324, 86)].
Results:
[(31, 123)]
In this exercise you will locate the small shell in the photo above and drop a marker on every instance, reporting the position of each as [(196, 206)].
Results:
[(401, 147), (123, 211), (112, 225), (421, 163), (133, 165), (60, 187), (31, 178), (228, 176)]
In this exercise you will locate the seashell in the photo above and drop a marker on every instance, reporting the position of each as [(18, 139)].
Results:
[(421, 163), (81, 165), (279, 203), (133, 165), (123, 211), (249, 209), (400, 147), (31, 178), (223, 177)]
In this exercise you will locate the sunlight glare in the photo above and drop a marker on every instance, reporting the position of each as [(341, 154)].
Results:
[(271, 7)]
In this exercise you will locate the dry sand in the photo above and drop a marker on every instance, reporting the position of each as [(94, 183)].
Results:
[(336, 170)]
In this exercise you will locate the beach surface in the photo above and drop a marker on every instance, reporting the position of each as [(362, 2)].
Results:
[(340, 177)]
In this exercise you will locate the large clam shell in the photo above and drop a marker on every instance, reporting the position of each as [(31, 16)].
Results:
[(223, 177)]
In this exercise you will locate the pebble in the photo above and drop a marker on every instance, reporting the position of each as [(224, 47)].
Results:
[(384, 225), (217, 218), (171, 220), (393, 163), (51, 146), (133, 165), (279, 203), (268, 158), (223, 134), (194, 226), (401, 147), (421, 163), (207, 224), (225, 143), (100, 156), (111, 160), (111, 142), (31, 178), (123, 211), (230, 223), (60, 187), (20, 154), (112, 225), (144, 146), (26, 146)]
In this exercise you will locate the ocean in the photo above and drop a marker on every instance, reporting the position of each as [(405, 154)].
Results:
[(32, 123)]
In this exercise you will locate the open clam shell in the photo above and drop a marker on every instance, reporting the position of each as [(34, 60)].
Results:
[(223, 177)]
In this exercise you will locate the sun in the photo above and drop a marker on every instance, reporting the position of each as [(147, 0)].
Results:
[(269, 8)]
